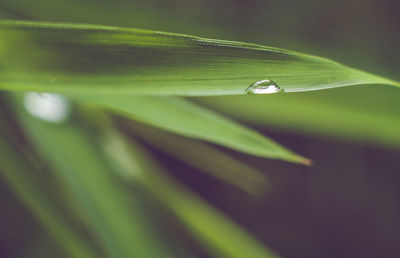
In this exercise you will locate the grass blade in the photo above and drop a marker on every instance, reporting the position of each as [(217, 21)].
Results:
[(364, 114), (87, 58), (183, 117)]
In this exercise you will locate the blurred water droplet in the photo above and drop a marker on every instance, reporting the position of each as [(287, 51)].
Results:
[(47, 106), (263, 87)]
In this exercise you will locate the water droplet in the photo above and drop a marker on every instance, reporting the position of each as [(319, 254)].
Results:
[(263, 87), (47, 106)]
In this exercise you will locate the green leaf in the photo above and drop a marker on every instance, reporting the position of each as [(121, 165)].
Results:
[(183, 117), (363, 114), (88, 58), (217, 232), (119, 222), (205, 157), (17, 172)]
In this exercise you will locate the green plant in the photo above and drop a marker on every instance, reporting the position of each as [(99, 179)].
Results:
[(102, 176)]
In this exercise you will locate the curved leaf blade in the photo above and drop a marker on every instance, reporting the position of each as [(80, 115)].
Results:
[(88, 58), (369, 115), (185, 118)]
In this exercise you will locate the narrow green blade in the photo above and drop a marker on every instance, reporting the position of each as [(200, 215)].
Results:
[(369, 114), (206, 158), (183, 117), (87, 58)]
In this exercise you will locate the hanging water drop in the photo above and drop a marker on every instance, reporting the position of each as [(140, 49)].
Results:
[(263, 87), (46, 106)]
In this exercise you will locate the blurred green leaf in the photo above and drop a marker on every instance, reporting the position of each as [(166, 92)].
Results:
[(87, 58), (17, 172), (182, 117), (118, 221), (205, 158), (222, 236)]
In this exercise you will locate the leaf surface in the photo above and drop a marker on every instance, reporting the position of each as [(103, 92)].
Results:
[(103, 59)]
